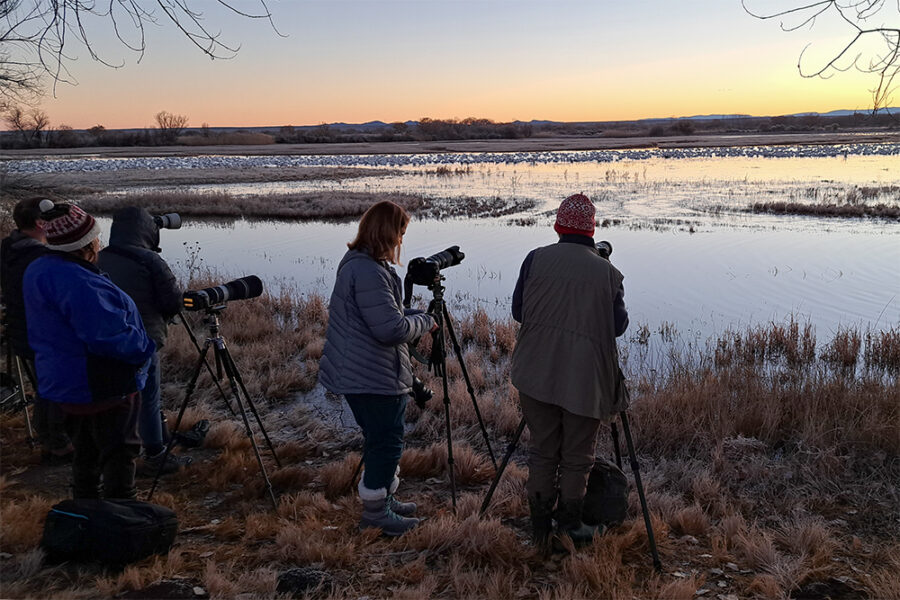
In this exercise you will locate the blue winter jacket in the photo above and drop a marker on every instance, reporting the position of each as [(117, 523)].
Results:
[(88, 339), (365, 345)]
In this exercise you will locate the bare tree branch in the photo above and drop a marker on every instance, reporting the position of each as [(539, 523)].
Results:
[(866, 20), (35, 35)]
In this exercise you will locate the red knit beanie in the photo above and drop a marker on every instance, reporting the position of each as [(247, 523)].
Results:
[(575, 215), (71, 231)]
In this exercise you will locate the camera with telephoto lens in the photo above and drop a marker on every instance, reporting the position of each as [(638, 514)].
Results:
[(604, 249), (426, 271), (420, 392), (240, 289), (167, 221)]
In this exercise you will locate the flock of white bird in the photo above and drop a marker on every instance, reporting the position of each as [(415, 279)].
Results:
[(94, 163)]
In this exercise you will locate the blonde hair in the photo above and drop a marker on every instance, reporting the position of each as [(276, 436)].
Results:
[(380, 231)]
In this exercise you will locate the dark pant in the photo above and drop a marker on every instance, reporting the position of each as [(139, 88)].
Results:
[(150, 423), (106, 443), (561, 449), (381, 421), (49, 419)]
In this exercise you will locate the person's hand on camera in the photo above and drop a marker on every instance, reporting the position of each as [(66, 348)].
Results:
[(434, 324)]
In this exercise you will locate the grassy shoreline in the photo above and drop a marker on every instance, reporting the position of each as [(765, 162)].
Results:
[(771, 453)]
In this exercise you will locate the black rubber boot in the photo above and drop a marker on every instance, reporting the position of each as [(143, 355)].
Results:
[(541, 520), (569, 523)]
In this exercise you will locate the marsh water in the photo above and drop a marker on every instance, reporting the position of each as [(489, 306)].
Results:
[(693, 258)]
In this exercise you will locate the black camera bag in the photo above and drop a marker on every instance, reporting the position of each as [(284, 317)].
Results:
[(606, 500), (112, 532)]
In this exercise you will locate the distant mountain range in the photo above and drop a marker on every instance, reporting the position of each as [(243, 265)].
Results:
[(378, 125)]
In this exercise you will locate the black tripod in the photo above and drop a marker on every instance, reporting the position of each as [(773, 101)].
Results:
[(17, 368), (438, 361), (224, 362), (635, 468)]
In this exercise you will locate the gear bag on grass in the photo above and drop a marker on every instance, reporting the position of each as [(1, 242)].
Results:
[(112, 532), (606, 500)]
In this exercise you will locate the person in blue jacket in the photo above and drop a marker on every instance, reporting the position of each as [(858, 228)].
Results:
[(366, 359), (90, 352)]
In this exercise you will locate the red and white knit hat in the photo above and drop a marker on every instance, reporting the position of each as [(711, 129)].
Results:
[(575, 215), (71, 231)]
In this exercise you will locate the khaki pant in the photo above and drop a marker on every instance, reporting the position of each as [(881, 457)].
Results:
[(561, 451)]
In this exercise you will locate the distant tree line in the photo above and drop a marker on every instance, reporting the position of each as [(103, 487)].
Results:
[(31, 128)]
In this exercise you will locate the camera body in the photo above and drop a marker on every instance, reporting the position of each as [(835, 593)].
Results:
[(604, 249), (420, 392), (426, 271), (167, 221), (240, 289)]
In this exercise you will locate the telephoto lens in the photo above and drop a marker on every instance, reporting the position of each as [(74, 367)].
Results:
[(168, 221), (240, 289)]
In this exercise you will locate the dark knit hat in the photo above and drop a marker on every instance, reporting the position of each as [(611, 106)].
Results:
[(575, 215), (71, 231)]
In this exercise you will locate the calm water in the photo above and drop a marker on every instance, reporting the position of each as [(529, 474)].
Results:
[(689, 256)]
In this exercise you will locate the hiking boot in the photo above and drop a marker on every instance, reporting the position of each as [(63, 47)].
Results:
[(541, 520), (150, 465), (193, 437), (404, 509), (569, 523), (376, 514)]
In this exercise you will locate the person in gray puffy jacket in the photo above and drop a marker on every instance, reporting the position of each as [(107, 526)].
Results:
[(367, 361)]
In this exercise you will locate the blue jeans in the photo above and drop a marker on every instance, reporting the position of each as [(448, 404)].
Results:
[(149, 423), (381, 420)]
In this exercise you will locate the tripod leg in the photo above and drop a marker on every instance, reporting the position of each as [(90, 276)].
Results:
[(209, 370), (640, 489), (465, 372), (232, 367), (32, 440), (192, 384), (231, 372), (614, 431), (506, 457)]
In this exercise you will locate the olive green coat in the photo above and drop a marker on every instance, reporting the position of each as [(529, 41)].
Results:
[(566, 348)]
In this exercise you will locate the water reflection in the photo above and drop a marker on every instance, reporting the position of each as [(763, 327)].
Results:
[(702, 283)]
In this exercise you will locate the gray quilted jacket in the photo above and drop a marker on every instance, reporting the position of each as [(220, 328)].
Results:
[(365, 345)]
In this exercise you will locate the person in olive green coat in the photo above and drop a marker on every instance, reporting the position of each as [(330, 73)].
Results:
[(570, 302)]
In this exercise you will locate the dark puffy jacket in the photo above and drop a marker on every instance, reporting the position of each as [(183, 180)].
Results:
[(133, 263), (365, 345), (16, 253), (88, 340)]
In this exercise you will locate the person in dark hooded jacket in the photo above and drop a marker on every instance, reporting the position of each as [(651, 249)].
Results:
[(132, 262)]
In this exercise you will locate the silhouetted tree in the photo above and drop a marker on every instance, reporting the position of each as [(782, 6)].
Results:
[(872, 44), (29, 123), (170, 125)]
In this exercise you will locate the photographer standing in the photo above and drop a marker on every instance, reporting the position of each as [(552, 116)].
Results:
[(25, 244), (570, 302), (133, 263), (90, 354), (366, 358)]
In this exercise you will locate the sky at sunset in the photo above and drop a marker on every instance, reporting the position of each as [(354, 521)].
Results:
[(356, 61)]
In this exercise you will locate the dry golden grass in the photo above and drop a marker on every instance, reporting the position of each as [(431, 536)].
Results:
[(771, 451)]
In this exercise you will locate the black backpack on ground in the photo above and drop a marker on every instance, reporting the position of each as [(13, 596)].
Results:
[(112, 532), (606, 500)]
